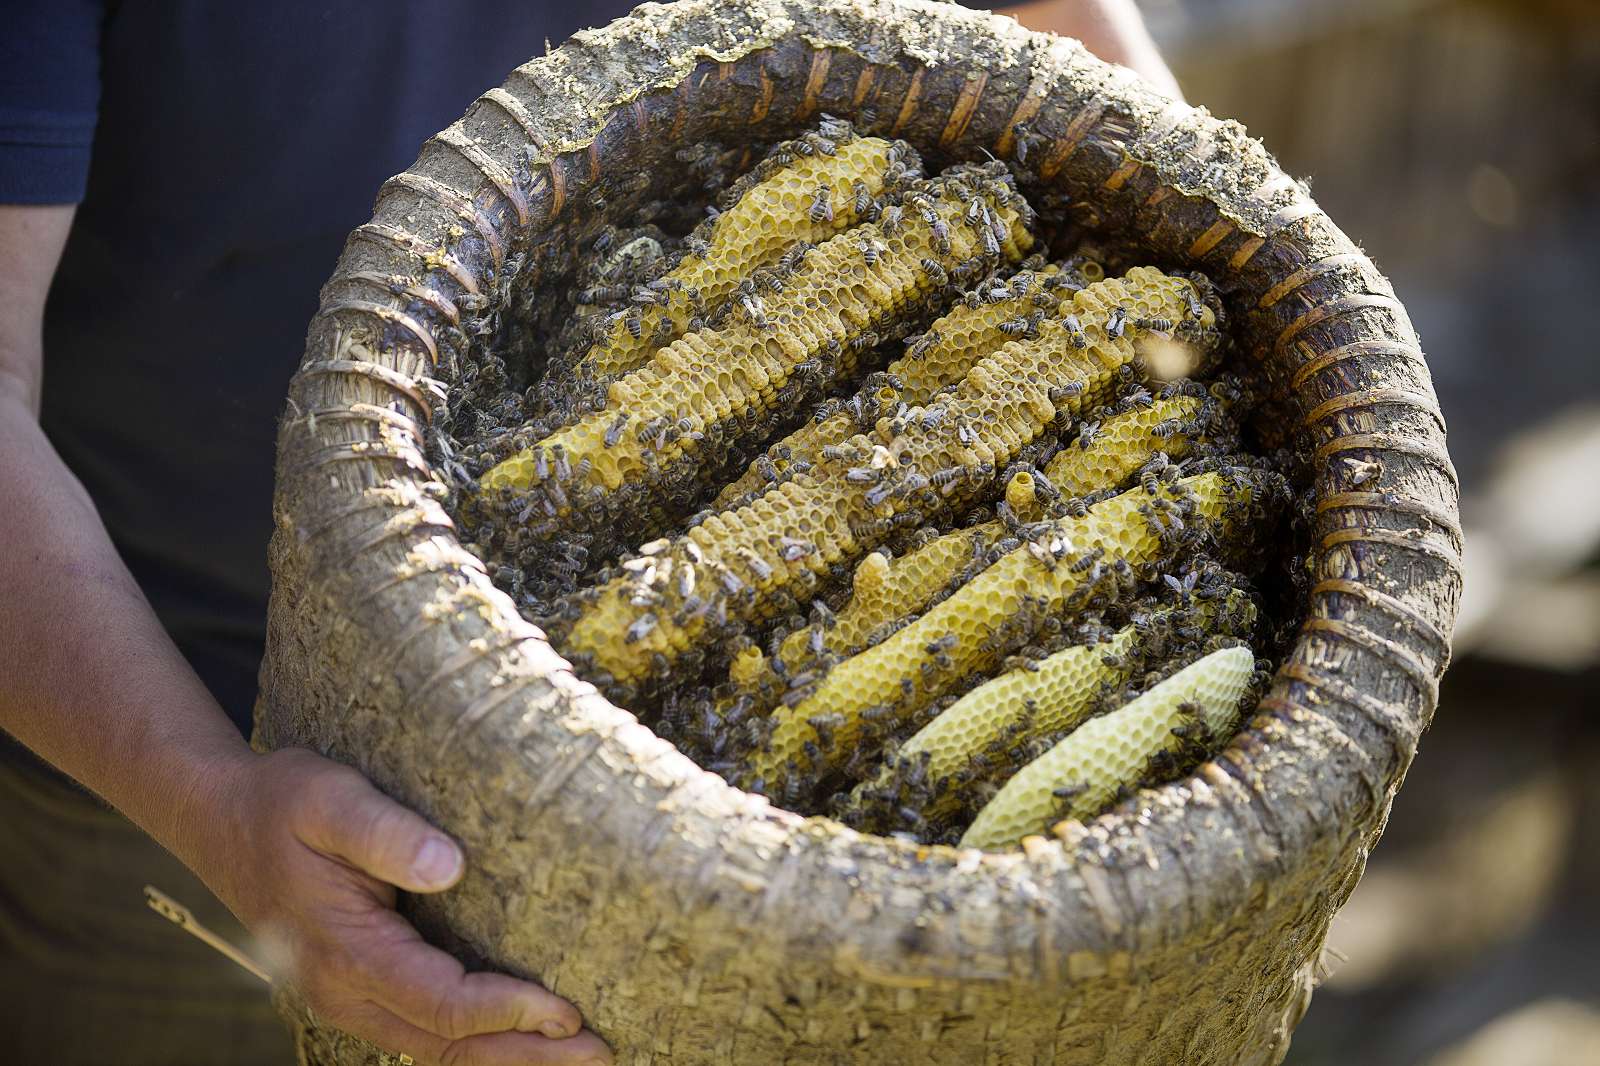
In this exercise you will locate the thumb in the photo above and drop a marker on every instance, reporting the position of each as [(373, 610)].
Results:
[(356, 823)]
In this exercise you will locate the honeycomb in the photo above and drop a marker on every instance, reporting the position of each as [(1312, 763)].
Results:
[(1110, 451), (984, 733), (816, 324), (1054, 694), (1084, 772), (999, 311), (848, 504), (936, 779), (969, 628), (805, 190), (886, 591), (867, 509)]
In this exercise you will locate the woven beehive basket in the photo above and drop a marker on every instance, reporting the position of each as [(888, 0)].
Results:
[(693, 923)]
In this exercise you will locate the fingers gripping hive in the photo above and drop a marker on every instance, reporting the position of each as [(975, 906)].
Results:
[(1082, 773)]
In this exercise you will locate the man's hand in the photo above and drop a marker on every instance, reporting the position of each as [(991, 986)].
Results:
[(303, 850), (308, 854)]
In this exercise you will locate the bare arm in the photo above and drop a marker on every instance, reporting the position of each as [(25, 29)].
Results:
[(1111, 29), (82, 647), (304, 851)]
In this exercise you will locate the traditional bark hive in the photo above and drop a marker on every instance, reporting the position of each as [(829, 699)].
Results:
[(692, 922)]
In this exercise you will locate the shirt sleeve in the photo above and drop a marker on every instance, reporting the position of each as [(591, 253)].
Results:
[(49, 98)]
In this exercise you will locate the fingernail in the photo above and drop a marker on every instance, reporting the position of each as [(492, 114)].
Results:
[(556, 1031), (437, 861)]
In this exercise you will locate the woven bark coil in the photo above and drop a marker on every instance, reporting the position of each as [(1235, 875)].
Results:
[(693, 923)]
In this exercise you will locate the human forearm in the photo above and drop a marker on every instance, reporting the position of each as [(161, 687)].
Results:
[(1111, 29), (305, 851), (88, 677)]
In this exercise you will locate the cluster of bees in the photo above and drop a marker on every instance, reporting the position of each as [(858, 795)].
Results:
[(868, 505)]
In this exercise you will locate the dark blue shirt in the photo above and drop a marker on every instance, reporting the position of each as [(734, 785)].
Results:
[(219, 154)]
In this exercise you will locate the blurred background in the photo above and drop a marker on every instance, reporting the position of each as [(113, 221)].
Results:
[(1458, 142)]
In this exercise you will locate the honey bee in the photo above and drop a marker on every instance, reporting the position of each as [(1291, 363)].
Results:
[(822, 204)]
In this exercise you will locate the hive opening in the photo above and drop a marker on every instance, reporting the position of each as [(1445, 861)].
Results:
[(881, 485)]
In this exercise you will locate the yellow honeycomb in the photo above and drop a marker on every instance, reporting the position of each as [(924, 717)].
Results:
[(770, 215), (1123, 443), (705, 379), (839, 509), (905, 671), (1083, 772), (1022, 496), (746, 668), (1050, 696), (955, 343), (886, 592), (969, 331), (1056, 694)]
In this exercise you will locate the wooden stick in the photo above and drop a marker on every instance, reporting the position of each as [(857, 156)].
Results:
[(179, 915)]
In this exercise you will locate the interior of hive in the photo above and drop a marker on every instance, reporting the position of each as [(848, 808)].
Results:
[(989, 692)]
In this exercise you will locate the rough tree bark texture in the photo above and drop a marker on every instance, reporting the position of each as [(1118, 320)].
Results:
[(693, 923)]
